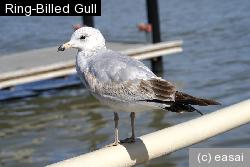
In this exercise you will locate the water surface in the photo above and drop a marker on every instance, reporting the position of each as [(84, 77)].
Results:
[(58, 125)]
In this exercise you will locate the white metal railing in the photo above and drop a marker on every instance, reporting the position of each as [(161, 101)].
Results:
[(165, 141)]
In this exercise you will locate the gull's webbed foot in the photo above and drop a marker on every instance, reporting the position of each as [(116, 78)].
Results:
[(128, 140), (112, 144)]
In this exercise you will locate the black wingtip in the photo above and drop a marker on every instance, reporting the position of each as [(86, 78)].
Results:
[(212, 102)]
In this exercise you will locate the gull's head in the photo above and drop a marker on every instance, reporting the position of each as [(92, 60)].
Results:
[(85, 38)]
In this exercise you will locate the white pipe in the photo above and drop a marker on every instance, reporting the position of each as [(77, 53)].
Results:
[(153, 47), (165, 141)]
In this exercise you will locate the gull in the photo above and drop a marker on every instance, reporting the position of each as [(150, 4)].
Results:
[(123, 83)]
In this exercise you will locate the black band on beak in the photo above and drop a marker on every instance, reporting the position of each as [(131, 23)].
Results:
[(61, 48)]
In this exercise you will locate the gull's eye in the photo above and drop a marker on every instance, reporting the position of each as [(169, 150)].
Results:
[(82, 37)]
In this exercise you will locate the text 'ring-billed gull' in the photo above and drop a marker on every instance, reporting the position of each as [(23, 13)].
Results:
[(123, 83)]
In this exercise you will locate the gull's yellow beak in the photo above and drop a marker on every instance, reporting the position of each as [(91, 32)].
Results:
[(65, 46)]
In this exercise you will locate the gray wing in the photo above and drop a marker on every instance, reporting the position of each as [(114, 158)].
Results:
[(109, 66), (122, 78), (151, 90)]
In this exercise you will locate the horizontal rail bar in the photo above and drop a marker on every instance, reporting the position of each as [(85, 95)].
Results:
[(42, 76), (52, 71), (158, 53), (165, 141), (153, 47), (37, 70)]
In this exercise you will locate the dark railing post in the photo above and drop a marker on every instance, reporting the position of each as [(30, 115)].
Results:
[(88, 21), (153, 19)]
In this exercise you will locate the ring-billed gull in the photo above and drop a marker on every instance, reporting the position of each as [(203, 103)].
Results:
[(123, 83)]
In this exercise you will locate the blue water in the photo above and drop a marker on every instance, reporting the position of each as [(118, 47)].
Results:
[(57, 125)]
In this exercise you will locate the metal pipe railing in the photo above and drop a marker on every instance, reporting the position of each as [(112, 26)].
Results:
[(165, 141)]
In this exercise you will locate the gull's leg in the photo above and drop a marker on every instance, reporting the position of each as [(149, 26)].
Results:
[(132, 138), (132, 117), (116, 119), (116, 142)]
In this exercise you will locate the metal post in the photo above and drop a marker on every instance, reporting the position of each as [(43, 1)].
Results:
[(153, 19), (88, 21)]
